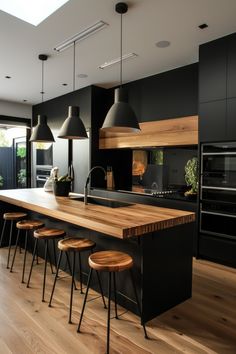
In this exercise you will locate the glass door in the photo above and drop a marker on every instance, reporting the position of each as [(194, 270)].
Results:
[(13, 156)]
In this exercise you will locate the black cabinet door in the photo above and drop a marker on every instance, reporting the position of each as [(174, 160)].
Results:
[(212, 121), (231, 119), (212, 70), (231, 69)]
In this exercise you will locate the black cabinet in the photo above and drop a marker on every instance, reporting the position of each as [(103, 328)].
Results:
[(212, 121), (212, 70), (217, 249), (231, 67), (231, 119)]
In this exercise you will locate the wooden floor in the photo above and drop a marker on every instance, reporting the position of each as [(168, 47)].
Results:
[(204, 324)]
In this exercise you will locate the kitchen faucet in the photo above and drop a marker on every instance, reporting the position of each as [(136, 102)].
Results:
[(88, 179)]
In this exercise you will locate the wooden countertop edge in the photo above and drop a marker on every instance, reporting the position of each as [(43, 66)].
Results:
[(93, 216)]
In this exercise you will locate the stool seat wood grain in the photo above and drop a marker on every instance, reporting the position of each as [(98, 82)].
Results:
[(14, 216), (29, 224), (75, 244), (48, 233), (111, 261)]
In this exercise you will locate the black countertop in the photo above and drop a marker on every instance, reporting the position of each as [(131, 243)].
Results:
[(175, 200)]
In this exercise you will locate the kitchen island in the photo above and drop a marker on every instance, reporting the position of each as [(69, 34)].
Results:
[(159, 239)]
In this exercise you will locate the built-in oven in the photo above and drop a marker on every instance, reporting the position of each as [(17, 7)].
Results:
[(42, 174), (218, 190), (218, 163)]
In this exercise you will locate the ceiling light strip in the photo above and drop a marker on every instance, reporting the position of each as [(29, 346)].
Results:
[(117, 60), (81, 35)]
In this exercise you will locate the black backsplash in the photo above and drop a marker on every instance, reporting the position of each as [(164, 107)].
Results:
[(165, 173)]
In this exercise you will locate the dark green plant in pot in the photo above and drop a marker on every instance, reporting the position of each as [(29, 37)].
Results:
[(191, 175)]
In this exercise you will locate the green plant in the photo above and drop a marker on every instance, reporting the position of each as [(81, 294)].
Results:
[(191, 174), (157, 157), (21, 152), (21, 177), (1, 181)]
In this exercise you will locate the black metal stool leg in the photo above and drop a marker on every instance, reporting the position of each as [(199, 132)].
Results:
[(72, 286), (3, 231), (114, 282), (45, 268), (14, 255), (69, 266), (85, 299), (54, 252), (49, 258), (80, 275), (9, 246), (32, 263), (101, 291), (55, 280), (26, 244), (138, 304), (37, 255), (109, 312)]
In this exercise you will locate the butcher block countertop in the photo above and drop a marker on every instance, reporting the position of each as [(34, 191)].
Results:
[(122, 222)]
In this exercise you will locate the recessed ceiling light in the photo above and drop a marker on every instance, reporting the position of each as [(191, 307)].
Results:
[(7, 77), (117, 60), (203, 26), (82, 76), (163, 44), (30, 11)]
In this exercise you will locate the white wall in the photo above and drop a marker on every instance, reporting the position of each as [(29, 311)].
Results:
[(14, 109)]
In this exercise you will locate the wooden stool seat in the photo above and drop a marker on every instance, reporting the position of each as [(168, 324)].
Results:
[(29, 224), (111, 261), (75, 244), (48, 233), (14, 216)]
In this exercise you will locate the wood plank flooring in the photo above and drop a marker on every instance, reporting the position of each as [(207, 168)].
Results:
[(204, 324)]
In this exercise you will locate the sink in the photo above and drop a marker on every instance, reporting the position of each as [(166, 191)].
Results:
[(110, 203)]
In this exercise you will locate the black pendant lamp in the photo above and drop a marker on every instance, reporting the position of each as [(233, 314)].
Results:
[(121, 117), (42, 132), (73, 127)]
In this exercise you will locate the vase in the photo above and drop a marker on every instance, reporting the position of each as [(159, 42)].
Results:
[(62, 188)]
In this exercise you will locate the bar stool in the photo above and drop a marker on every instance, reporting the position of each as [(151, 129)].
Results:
[(46, 234), (27, 225), (12, 217), (111, 262), (74, 245)]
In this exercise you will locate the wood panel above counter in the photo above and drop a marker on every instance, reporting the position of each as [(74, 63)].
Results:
[(123, 222), (169, 132)]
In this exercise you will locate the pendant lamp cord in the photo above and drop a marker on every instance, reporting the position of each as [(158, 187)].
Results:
[(74, 66), (42, 92), (121, 45)]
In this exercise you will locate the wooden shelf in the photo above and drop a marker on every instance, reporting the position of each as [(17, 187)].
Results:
[(168, 132)]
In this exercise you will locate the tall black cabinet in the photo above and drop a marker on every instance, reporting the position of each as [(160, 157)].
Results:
[(217, 123), (217, 90)]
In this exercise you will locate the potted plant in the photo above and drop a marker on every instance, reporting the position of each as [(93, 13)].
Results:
[(62, 185), (191, 177)]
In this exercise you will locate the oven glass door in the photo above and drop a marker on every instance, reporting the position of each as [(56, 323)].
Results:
[(219, 170)]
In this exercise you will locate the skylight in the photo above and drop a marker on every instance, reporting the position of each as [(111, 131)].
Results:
[(31, 11)]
